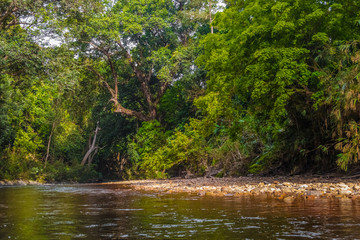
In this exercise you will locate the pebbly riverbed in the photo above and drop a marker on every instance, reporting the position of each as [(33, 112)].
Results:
[(19, 183), (287, 189)]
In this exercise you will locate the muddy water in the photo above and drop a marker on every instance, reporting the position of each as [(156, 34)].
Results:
[(113, 212)]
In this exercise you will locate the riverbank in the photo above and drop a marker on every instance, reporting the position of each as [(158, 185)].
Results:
[(19, 182), (285, 188)]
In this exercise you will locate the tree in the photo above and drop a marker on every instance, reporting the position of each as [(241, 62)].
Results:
[(131, 43), (267, 61)]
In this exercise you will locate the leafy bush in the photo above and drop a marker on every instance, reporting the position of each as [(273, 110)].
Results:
[(150, 137), (60, 172), (349, 146), (156, 152)]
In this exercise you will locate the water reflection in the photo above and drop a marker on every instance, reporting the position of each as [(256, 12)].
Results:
[(113, 212)]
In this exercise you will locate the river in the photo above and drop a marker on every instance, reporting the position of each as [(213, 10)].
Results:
[(115, 212)]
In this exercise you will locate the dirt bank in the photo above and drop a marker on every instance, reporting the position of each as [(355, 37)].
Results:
[(286, 188)]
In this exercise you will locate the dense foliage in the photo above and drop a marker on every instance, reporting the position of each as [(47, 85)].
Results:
[(159, 88)]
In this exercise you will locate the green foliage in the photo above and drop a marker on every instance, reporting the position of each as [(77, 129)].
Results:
[(183, 151), (281, 63), (34, 85), (148, 139), (349, 147), (261, 163), (12, 167), (159, 153), (5, 125), (275, 87), (68, 141), (58, 172)]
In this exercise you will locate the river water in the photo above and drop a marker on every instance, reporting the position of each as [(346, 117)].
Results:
[(114, 212)]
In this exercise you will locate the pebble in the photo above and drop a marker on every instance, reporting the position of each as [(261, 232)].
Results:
[(289, 199), (289, 188)]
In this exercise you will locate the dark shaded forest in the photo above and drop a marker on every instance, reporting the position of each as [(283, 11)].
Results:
[(120, 89)]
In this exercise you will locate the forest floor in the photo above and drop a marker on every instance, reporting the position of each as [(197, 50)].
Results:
[(285, 188)]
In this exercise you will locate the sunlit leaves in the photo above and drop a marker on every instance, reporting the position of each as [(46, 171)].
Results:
[(276, 57)]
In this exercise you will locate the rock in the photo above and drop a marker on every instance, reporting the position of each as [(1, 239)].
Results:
[(343, 186), (311, 197), (345, 192), (228, 195), (286, 190), (289, 199), (21, 182), (298, 186), (34, 183), (9, 183), (313, 193), (202, 193), (282, 196), (287, 184)]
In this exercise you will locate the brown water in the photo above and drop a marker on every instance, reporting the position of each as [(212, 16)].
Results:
[(112, 212)]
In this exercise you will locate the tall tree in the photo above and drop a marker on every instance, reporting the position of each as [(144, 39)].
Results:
[(131, 43), (267, 60)]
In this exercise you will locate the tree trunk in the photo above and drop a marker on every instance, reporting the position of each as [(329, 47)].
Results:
[(143, 78), (92, 155), (49, 143), (92, 148)]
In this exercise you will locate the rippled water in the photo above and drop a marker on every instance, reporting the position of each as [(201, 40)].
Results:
[(113, 212)]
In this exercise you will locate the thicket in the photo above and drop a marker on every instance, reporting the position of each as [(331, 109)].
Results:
[(145, 89)]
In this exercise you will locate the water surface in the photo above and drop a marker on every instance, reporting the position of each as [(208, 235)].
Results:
[(114, 212)]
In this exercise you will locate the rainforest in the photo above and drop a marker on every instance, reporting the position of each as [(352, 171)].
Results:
[(141, 89)]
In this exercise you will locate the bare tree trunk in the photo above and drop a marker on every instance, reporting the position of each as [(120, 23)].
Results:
[(49, 142), (92, 155), (122, 163), (92, 148)]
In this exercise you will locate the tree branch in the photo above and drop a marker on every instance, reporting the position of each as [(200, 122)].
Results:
[(112, 92), (120, 109), (106, 53), (115, 76), (11, 9), (139, 75), (162, 90)]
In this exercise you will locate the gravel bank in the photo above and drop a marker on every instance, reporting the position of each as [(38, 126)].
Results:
[(18, 183), (284, 188)]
